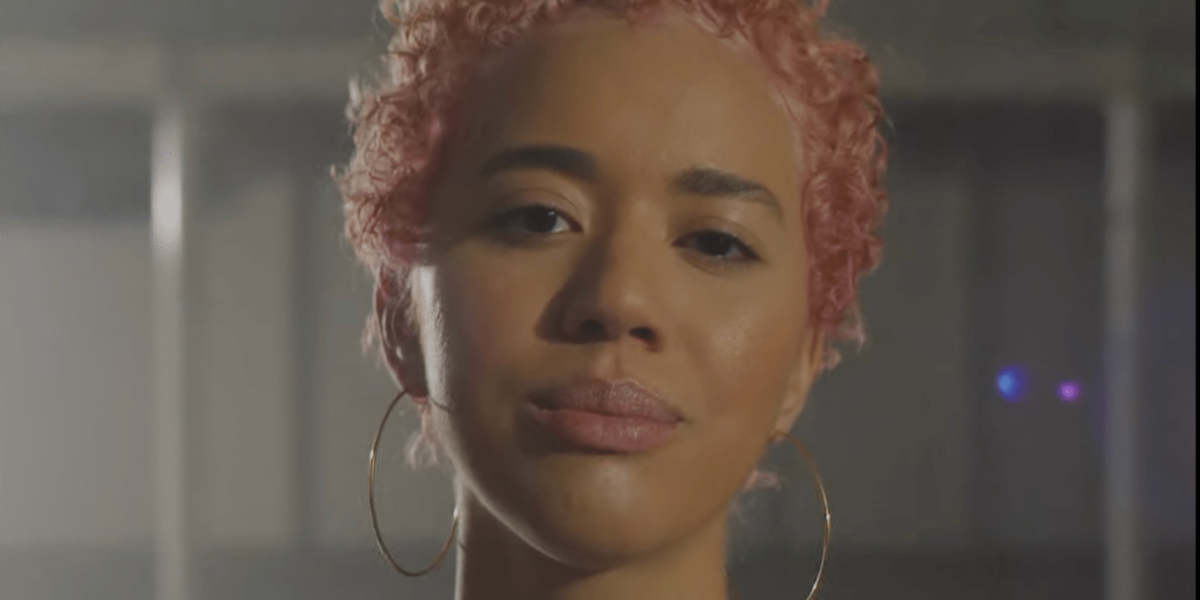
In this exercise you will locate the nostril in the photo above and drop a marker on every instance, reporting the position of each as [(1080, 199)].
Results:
[(592, 329)]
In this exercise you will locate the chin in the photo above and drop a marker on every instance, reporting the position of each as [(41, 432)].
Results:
[(594, 513), (590, 542), (587, 511)]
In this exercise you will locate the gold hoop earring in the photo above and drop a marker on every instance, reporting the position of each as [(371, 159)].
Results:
[(826, 533), (383, 549)]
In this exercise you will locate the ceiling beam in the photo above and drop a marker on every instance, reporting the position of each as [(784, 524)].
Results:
[(40, 74), (1030, 73), (36, 74)]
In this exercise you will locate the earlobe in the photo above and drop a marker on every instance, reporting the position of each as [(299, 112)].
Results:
[(408, 368), (793, 402), (399, 339), (805, 372)]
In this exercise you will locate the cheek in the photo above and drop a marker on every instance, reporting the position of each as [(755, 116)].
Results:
[(750, 346), (484, 326), (490, 319), (492, 304), (741, 374), (751, 360), (485, 312)]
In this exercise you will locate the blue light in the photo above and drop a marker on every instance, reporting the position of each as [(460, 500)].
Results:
[(1011, 383)]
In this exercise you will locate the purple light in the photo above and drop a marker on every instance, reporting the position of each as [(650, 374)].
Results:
[(1069, 391)]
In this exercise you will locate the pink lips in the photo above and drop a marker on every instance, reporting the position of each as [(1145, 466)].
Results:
[(604, 415)]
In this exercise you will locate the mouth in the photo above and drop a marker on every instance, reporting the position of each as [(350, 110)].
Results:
[(605, 416)]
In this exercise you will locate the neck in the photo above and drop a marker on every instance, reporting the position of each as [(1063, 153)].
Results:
[(495, 564)]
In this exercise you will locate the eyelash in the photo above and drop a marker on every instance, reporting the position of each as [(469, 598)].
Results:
[(504, 222)]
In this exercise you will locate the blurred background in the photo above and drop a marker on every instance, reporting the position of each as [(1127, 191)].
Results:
[(185, 409)]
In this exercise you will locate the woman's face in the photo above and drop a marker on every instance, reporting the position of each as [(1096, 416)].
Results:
[(624, 206)]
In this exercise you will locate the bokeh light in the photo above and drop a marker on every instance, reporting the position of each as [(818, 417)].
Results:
[(1069, 391), (1011, 383)]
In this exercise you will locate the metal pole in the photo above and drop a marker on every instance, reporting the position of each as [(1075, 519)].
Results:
[(171, 233), (1127, 149)]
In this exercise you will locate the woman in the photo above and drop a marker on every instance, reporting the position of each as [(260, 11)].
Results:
[(614, 243)]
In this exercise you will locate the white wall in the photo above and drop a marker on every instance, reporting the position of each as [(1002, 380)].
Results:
[(75, 378), (244, 361), (74, 384)]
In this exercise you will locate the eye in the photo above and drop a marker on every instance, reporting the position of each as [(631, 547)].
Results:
[(721, 246), (533, 220)]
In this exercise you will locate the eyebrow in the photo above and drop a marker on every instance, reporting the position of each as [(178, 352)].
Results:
[(714, 183), (561, 159), (701, 181)]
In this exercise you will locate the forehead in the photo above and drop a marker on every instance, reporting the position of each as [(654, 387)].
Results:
[(643, 100)]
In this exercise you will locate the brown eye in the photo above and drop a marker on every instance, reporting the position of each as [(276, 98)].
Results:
[(722, 246), (536, 219)]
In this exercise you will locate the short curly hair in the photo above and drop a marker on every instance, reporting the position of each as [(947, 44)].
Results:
[(402, 123)]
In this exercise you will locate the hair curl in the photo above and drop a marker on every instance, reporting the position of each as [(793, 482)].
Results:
[(402, 122)]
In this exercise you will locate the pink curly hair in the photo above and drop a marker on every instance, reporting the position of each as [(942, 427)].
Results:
[(403, 122)]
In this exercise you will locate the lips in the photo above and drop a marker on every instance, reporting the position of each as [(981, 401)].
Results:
[(604, 415)]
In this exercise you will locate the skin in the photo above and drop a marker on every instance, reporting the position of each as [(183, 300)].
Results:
[(620, 273)]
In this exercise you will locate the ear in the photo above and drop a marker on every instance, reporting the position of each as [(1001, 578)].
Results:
[(399, 335), (807, 368)]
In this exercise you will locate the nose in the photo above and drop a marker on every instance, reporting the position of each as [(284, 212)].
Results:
[(615, 294)]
